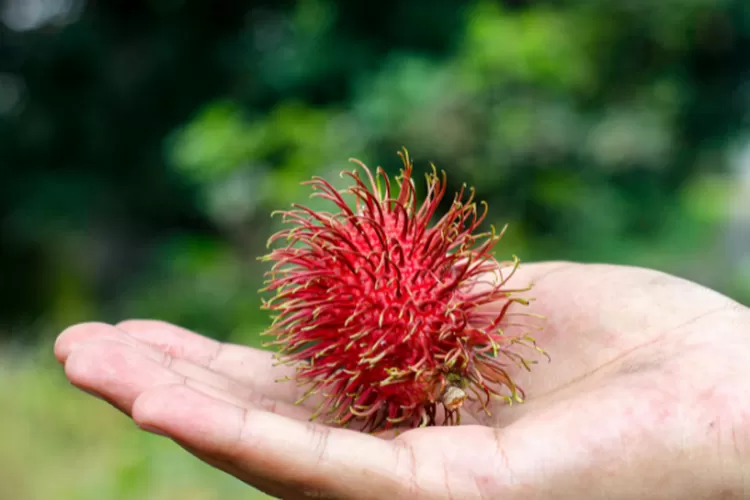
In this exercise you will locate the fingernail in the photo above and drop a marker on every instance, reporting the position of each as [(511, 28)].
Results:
[(152, 430)]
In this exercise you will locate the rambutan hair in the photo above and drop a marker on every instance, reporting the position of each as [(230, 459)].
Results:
[(386, 316)]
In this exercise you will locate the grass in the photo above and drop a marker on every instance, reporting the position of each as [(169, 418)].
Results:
[(62, 444)]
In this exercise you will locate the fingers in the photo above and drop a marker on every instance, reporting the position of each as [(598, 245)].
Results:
[(106, 369), (92, 351), (318, 460), (247, 366), (252, 367), (119, 371)]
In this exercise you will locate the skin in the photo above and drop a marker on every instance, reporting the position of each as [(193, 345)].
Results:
[(647, 397)]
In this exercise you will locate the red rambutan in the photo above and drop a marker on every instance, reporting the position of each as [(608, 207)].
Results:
[(386, 316)]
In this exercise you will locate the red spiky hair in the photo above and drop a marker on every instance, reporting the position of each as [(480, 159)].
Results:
[(386, 316)]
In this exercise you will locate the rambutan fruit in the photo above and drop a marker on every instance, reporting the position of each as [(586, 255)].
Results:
[(387, 317)]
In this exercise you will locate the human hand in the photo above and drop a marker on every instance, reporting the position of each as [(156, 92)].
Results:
[(647, 396)]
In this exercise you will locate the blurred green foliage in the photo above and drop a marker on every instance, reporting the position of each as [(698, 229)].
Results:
[(143, 145), (62, 444)]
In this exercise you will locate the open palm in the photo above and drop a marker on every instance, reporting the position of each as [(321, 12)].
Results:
[(647, 396)]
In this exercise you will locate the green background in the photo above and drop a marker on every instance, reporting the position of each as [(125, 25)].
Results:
[(143, 145)]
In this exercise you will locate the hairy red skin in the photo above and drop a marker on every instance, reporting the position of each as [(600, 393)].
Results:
[(380, 311)]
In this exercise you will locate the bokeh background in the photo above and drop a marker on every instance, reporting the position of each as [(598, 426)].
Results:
[(144, 143)]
